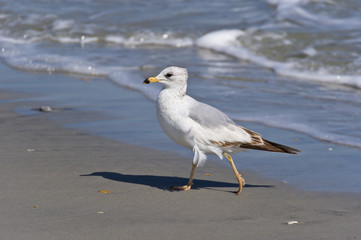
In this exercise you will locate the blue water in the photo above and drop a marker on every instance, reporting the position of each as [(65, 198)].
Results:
[(272, 65)]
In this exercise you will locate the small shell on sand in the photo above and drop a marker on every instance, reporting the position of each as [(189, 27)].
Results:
[(45, 109), (292, 222)]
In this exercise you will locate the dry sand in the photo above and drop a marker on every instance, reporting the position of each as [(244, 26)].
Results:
[(50, 178)]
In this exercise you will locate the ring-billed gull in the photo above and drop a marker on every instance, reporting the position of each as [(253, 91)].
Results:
[(201, 127)]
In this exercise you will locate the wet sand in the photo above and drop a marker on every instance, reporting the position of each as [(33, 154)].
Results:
[(50, 178)]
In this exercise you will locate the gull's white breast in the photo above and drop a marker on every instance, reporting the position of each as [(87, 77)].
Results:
[(172, 112)]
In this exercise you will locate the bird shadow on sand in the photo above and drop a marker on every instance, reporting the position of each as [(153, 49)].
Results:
[(164, 182)]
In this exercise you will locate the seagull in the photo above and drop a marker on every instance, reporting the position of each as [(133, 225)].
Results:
[(201, 127)]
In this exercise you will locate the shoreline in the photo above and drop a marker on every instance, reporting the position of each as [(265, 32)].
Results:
[(51, 177)]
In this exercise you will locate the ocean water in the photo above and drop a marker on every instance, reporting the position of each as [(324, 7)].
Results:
[(284, 64)]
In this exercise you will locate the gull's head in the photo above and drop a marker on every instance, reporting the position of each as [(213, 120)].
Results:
[(170, 77)]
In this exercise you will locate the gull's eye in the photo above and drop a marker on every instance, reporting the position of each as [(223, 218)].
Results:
[(168, 75)]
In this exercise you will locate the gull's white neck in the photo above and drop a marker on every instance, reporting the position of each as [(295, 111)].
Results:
[(177, 91)]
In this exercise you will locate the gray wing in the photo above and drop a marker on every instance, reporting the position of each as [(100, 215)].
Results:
[(207, 115), (210, 117)]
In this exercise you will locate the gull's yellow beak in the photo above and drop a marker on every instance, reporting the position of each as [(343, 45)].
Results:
[(151, 80)]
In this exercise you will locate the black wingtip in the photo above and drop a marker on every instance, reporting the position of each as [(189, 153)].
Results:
[(283, 148)]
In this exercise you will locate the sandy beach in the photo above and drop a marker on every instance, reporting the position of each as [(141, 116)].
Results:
[(50, 178)]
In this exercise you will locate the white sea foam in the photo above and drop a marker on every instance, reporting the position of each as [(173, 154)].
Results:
[(293, 9), (310, 51), (23, 54), (227, 42), (164, 39), (81, 39), (286, 4), (115, 39), (62, 24), (3, 16), (33, 36), (28, 58), (13, 40)]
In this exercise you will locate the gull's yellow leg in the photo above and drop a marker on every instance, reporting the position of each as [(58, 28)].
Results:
[(240, 180), (190, 181)]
